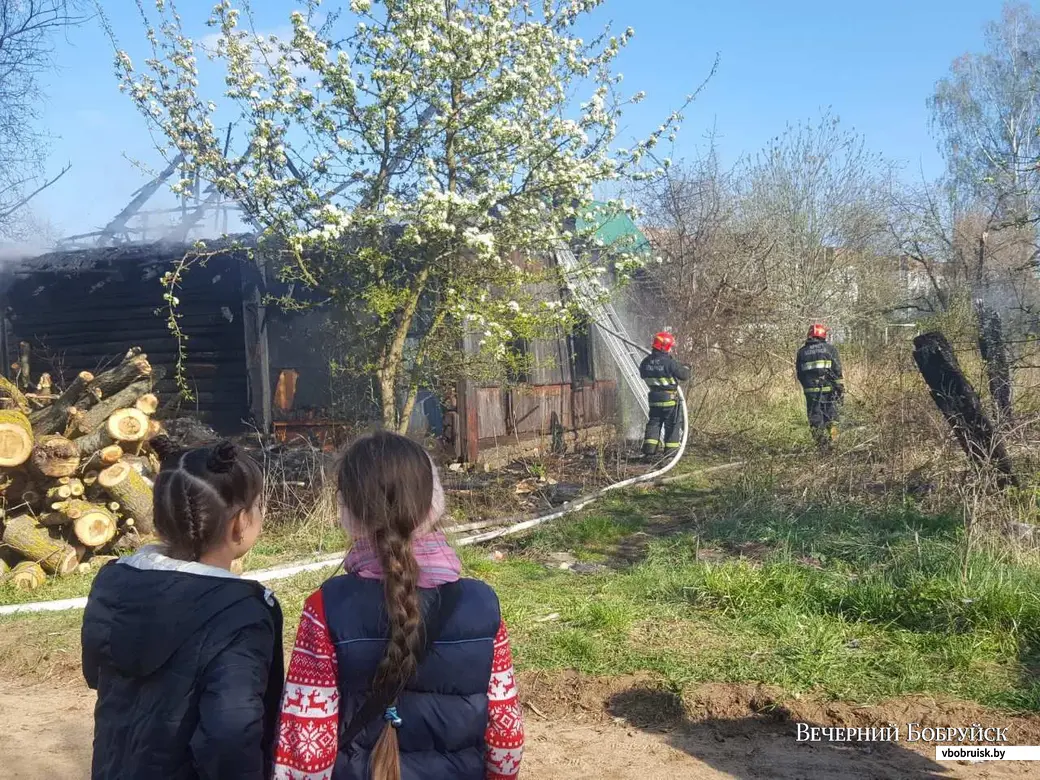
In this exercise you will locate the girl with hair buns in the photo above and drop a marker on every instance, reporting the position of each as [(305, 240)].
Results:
[(185, 656), (401, 669)]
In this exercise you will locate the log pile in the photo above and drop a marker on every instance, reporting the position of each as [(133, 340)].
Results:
[(76, 469)]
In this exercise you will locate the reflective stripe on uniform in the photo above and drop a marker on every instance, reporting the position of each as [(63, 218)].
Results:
[(816, 365), (662, 404), (672, 445), (655, 442), (656, 381), (815, 390)]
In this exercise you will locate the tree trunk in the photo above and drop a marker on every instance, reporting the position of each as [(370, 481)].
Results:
[(27, 576), (998, 365), (128, 487), (33, 543), (16, 438), (55, 417), (960, 405), (392, 362), (55, 456)]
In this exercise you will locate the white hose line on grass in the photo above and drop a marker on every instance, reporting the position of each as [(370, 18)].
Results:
[(291, 570)]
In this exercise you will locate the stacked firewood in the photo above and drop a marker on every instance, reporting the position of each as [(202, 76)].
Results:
[(76, 469)]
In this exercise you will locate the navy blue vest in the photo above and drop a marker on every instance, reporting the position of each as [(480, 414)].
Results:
[(444, 707)]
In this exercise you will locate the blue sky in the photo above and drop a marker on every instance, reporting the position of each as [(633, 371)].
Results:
[(873, 64)]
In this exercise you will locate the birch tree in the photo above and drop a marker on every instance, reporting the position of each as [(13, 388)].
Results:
[(415, 162), (986, 112)]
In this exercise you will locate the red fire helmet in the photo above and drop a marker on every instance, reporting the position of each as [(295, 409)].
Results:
[(818, 331), (664, 341)]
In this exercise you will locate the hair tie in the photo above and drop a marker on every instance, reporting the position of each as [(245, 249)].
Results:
[(222, 457), (391, 717)]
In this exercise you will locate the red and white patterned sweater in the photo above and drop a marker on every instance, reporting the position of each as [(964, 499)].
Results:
[(307, 733)]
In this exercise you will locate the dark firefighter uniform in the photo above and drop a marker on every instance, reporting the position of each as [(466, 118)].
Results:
[(819, 372), (662, 374)]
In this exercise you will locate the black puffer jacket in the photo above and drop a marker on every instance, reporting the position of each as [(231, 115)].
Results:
[(187, 663)]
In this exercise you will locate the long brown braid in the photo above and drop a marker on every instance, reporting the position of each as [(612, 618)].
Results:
[(386, 483)]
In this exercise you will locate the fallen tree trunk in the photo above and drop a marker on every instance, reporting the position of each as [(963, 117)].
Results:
[(126, 486), (55, 456), (33, 543), (959, 404), (16, 438)]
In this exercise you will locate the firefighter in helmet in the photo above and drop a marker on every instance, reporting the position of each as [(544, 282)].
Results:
[(662, 374), (819, 372)]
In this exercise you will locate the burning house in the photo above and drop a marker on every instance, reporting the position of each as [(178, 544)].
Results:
[(247, 365)]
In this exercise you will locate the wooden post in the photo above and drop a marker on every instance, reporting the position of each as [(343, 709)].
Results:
[(960, 405), (254, 324), (469, 429)]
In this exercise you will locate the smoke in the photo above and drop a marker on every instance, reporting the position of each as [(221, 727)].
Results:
[(16, 251)]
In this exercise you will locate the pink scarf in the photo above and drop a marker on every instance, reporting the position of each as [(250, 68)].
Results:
[(438, 563)]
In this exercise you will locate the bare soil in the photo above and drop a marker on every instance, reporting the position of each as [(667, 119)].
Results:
[(604, 728)]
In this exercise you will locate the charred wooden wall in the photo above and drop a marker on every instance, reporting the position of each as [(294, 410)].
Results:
[(81, 310)]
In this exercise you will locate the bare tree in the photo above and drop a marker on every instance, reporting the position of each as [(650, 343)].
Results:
[(709, 277), (822, 197), (27, 28)]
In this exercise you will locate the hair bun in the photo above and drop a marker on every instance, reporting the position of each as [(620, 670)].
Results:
[(222, 457), (164, 447)]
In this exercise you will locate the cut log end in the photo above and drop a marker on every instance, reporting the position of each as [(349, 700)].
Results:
[(111, 454), (147, 404), (128, 425), (16, 438), (96, 527), (55, 456), (27, 576)]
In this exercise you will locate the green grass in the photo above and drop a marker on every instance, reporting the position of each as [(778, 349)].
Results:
[(847, 601), (736, 584)]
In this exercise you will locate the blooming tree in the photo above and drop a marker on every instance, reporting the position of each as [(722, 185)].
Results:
[(414, 163)]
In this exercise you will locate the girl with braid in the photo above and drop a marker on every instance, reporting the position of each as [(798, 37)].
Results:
[(401, 668), (185, 656)]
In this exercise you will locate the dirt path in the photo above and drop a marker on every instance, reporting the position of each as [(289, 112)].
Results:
[(47, 736)]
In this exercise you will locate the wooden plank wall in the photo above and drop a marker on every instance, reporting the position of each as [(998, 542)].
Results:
[(528, 411), (86, 318)]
